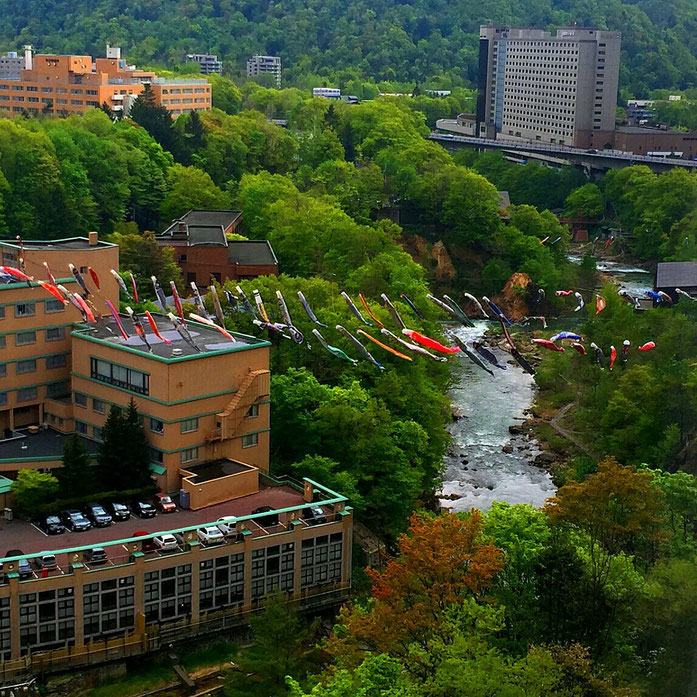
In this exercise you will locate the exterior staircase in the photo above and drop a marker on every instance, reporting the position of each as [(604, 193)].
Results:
[(257, 384)]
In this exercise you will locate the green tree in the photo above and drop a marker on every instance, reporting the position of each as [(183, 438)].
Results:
[(154, 118), (140, 254), (33, 489), (585, 202), (190, 188), (76, 476), (280, 646), (124, 454)]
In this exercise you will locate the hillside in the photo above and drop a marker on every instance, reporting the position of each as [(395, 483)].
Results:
[(380, 39)]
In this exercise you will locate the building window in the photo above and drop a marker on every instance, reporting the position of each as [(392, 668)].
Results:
[(28, 366), (25, 338), (54, 334), (250, 440), (99, 406), (189, 425), (252, 412), (97, 433), (59, 360), (3, 397), (3, 370), (25, 309), (58, 389), (189, 455), (80, 399), (120, 376), (2, 312), (53, 306), (156, 426), (26, 394), (156, 456), (81, 427)]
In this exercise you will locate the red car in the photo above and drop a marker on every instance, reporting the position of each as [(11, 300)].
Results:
[(163, 503)]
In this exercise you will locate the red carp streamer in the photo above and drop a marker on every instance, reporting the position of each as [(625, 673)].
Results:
[(428, 342)]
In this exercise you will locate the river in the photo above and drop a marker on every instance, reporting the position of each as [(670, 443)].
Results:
[(477, 470)]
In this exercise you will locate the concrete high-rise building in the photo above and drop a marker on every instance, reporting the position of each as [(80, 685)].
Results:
[(207, 63), (555, 88), (257, 65)]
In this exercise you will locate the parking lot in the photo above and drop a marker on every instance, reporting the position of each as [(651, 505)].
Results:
[(23, 535)]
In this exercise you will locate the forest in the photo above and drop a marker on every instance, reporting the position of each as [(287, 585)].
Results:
[(344, 42), (590, 596)]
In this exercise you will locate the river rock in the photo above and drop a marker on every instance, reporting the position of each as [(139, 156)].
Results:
[(544, 459), (456, 413), (450, 497), (515, 429), (507, 448)]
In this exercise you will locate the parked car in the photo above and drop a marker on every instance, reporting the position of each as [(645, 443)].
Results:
[(75, 521), (97, 515), (143, 509), (267, 521), (51, 525), (46, 560), (226, 524), (118, 511), (314, 515), (210, 535), (163, 503), (147, 545), (96, 555), (166, 543), (23, 568)]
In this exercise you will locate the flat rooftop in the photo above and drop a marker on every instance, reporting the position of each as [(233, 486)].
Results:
[(25, 536), (70, 243), (215, 470), (204, 340), (46, 444)]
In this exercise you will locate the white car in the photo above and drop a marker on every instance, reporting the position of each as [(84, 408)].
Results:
[(226, 524), (210, 535), (166, 543)]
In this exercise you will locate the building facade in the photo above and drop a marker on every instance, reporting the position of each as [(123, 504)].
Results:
[(535, 86), (257, 65), (204, 401), (12, 64), (204, 252), (141, 600), (73, 84), (207, 63)]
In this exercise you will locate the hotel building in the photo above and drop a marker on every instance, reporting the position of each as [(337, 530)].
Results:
[(73, 84), (206, 413), (257, 65), (554, 88)]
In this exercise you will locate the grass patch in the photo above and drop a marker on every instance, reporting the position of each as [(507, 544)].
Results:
[(220, 652), (137, 681)]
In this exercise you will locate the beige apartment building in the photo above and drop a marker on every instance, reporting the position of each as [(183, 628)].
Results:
[(557, 88)]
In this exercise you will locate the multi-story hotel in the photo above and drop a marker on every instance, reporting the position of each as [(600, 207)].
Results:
[(257, 65), (73, 84), (558, 89), (205, 409)]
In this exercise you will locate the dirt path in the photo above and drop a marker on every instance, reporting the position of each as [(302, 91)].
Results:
[(554, 423)]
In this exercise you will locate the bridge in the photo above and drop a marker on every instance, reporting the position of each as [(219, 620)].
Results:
[(558, 155)]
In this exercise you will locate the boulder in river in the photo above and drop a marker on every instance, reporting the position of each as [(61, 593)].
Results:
[(508, 448), (544, 459)]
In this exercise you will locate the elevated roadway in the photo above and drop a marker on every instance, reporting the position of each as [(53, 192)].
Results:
[(556, 155)]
